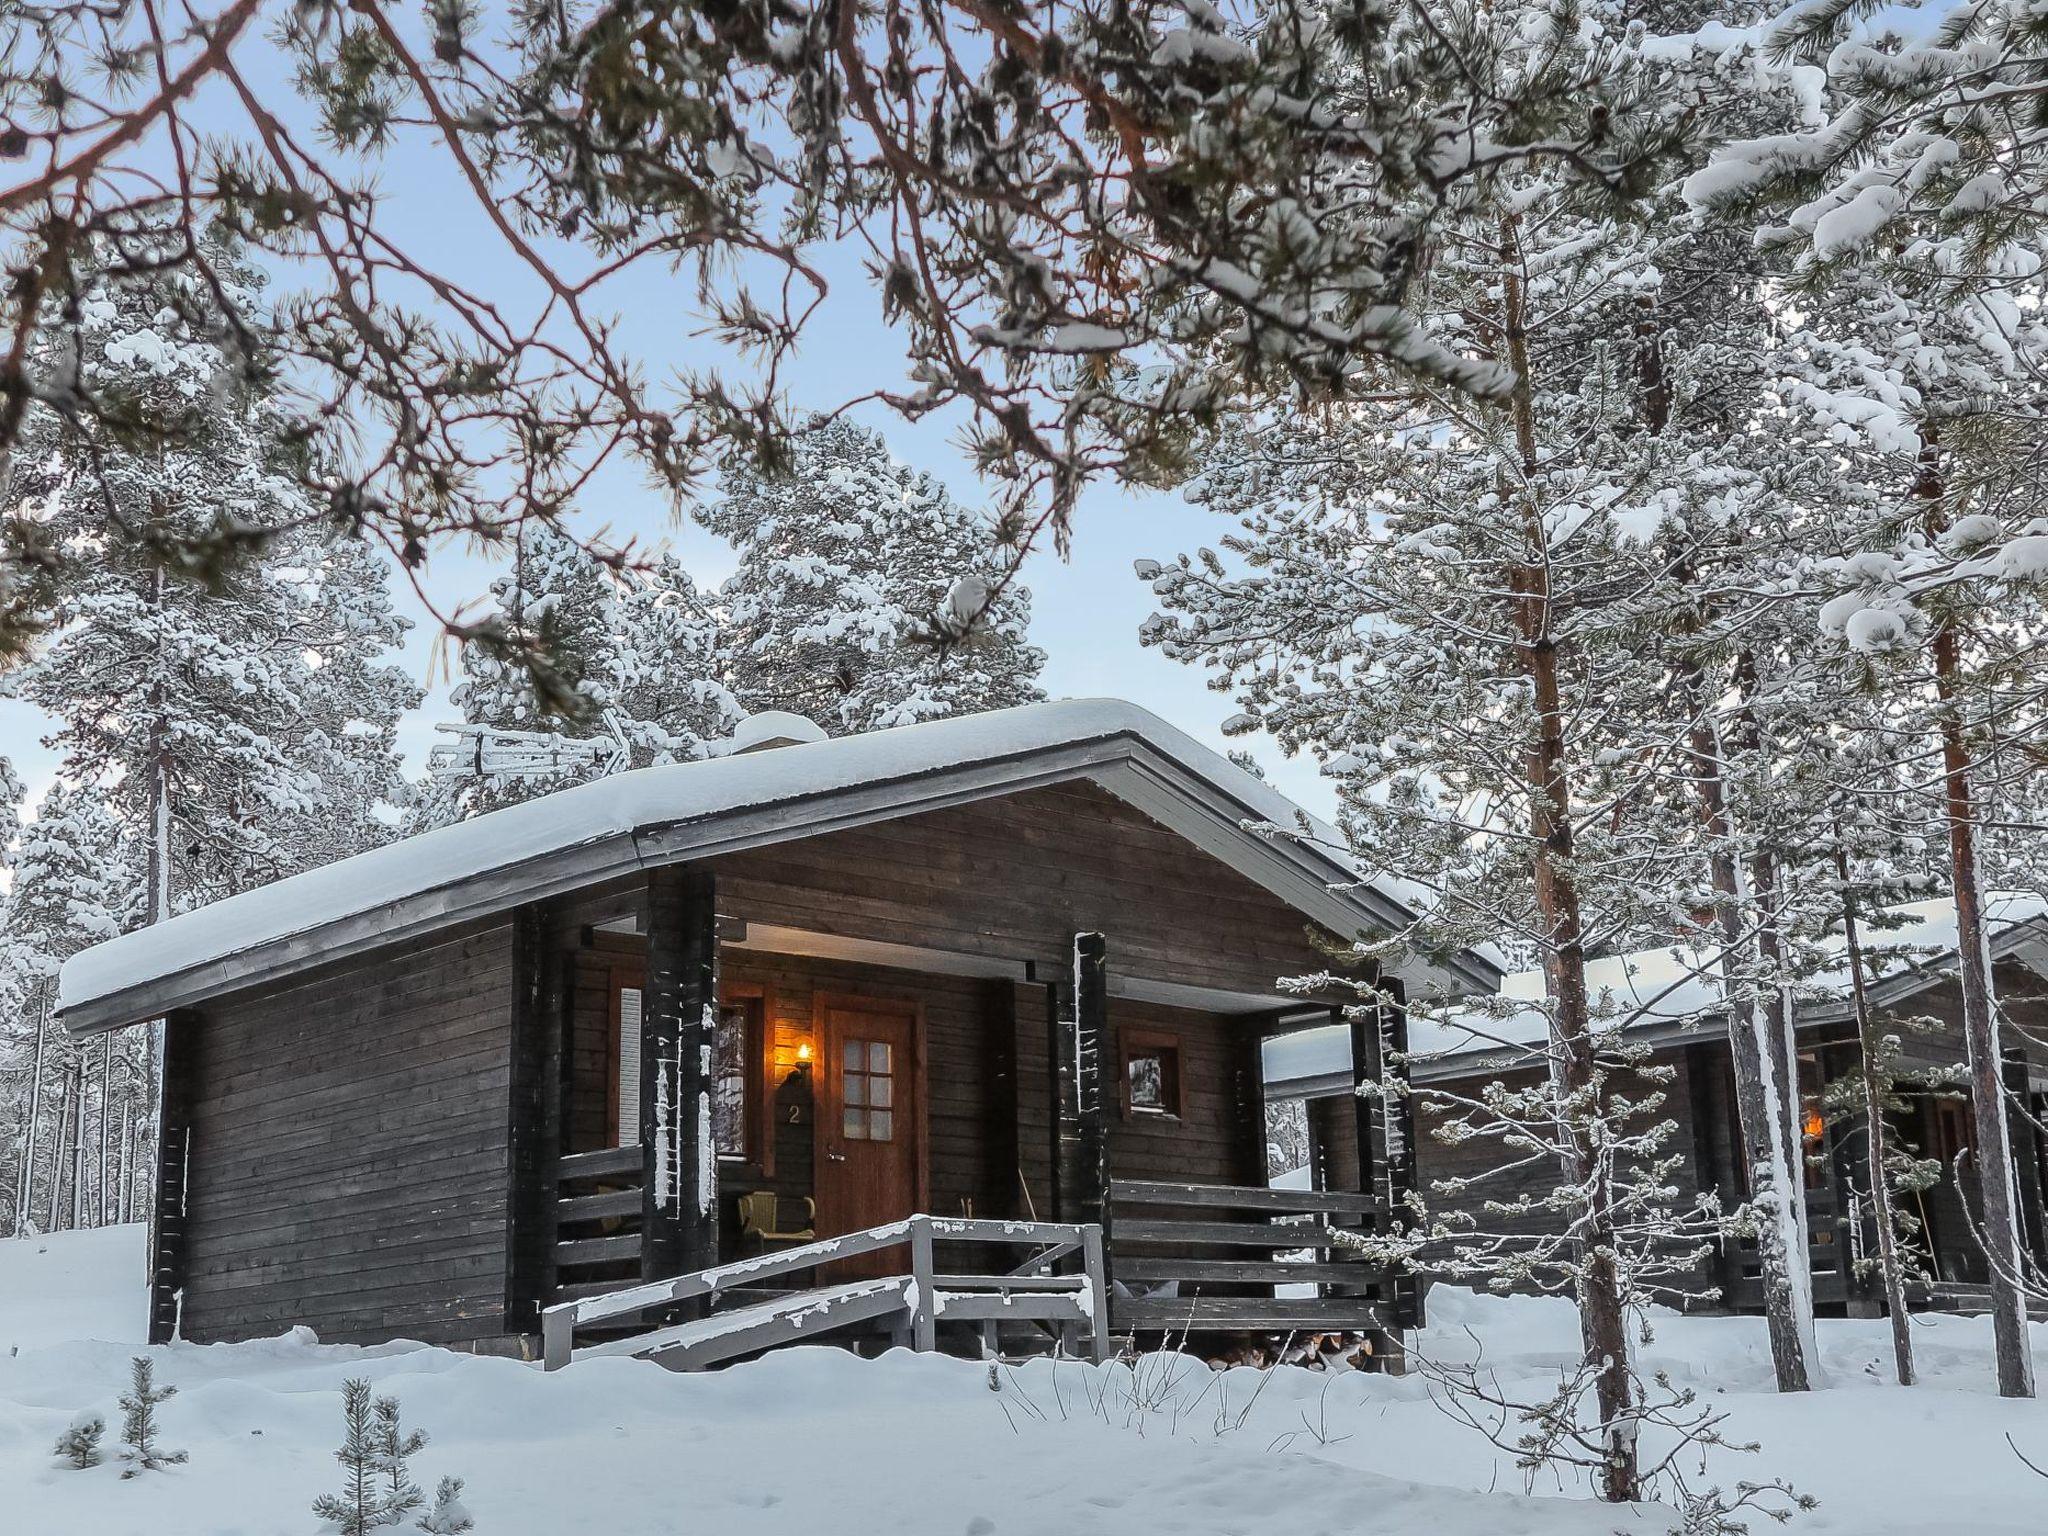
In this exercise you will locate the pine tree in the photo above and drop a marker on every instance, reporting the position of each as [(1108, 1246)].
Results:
[(865, 595), (448, 1517), (1927, 393), (399, 1495), (138, 1423), (11, 793), (73, 886), (224, 708), (80, 1443), (1468, 613), (357, 1509), (639, 650), (236, 713)]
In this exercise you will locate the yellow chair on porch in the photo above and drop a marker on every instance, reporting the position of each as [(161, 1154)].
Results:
[(761, 1215)]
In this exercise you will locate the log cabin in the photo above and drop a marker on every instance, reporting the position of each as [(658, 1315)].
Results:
[(950, 1032), (1914, 995)]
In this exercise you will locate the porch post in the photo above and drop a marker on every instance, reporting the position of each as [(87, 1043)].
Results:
[(1367, 1109), (1091, 1057), (1385, 1152), (1248, 1103), (167, 1234), (1406, 1289), (535, 1129), (679, 1189), (1855, 1223)]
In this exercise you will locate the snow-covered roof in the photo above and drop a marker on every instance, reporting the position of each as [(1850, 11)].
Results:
[(576, 837), (1659, 991)]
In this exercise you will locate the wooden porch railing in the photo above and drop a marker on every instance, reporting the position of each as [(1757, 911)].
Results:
[(1028, 1292), (1213, 1256)]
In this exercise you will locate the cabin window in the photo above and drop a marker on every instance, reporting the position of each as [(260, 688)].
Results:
[(732, 1085), (867, 1090), (1152, 1073), (735, 1048), (1813, 1128), (629, 1066)]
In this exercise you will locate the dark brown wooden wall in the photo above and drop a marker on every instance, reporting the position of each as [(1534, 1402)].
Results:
[(349, 1162), (1016, 878)]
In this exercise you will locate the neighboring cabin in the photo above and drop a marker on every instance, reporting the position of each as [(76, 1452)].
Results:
[(1012, 966), (1915, 981)]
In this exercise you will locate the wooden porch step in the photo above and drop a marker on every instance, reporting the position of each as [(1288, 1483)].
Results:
[(607, 1163), (599, 1207), (1307, 1314), (725, 1336)]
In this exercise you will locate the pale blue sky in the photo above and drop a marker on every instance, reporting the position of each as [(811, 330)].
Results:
[(1086, 610)]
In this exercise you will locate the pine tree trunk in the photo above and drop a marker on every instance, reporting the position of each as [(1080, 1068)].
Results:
[(25, 1185), (158, 895), (58, 1156), (106, 1114), (78, 1146), (1890, 1272), (1787, 1279), (1997, 1196), (1602, 1302)]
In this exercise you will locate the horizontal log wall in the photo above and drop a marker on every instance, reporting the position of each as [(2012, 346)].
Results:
[(350, 1147), (1015, 878)]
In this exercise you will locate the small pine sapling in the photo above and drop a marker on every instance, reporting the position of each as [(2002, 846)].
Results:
[(448, 1517), (358, 1508), (138, 1424), (399, 1495), (79, 1445)]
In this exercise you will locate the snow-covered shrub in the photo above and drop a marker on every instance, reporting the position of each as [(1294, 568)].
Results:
[(448, 1517), (79, 1446)]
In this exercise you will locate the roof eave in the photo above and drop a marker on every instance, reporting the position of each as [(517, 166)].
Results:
[(1121, 761)]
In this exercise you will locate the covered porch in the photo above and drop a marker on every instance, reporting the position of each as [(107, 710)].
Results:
[(716, 1093)]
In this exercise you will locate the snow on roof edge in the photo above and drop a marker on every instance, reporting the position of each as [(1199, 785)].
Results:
[(1927, 935), (627, 803)]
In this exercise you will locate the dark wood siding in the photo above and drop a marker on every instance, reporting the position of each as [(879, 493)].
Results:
[(1016, 878), (1206, 1144), (349, 1166)]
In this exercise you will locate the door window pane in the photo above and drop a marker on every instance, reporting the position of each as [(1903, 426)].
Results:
[(867, 1091)]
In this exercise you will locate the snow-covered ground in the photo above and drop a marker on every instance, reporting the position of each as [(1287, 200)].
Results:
[(816, 1443)]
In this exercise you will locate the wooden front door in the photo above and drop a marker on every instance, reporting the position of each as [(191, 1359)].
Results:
[(870, 1150)]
